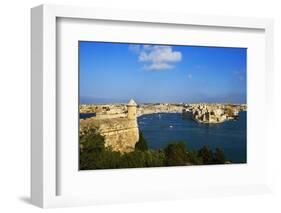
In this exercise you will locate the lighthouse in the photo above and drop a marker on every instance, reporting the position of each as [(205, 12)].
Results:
[(132, 110)]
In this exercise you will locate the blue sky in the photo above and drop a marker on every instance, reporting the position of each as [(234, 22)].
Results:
[(116, 72)]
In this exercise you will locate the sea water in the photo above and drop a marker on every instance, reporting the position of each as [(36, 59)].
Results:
[(161, 129)]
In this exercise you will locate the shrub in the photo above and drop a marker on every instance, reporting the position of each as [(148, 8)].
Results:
[(141, 144), (193, 159), (154, 158), (206, 155), (175, 154), (219, 156), (94, 155)]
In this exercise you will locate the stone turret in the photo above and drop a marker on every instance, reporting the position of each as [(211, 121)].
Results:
[(132, 110)]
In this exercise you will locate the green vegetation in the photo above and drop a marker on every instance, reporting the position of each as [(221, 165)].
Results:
[(219, 156), (176, 154), (142, 144), (94, 155), (206, 155)]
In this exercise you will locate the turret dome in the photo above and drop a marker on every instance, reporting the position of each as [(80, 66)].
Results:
[(131, 103)]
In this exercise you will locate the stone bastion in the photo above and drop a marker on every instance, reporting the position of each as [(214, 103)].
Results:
[(120, 133)]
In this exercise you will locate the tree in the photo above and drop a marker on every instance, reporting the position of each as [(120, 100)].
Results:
[(91, 141), (140, 159), (206, 154), (154, 158), (141, 144), (91, 147), (219, 156), (94, 154), (175, 154), (134, 159), (193, 159)]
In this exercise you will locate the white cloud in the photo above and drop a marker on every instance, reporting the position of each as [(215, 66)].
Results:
[(158, 66), (159, 54), (135, 48), (157, 57), (147, 46)]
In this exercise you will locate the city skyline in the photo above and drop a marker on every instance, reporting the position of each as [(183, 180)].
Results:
[(117, 72)]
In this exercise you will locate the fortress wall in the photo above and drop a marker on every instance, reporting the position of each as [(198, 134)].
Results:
[(123, 140), (121, 134), (107, 116)]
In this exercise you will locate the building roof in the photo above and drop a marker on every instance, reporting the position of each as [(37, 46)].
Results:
[(131, 103)]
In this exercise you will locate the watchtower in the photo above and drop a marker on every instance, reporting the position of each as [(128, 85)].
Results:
[(132, 110)]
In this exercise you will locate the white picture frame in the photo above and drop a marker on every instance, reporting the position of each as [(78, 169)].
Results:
[(44, 154)]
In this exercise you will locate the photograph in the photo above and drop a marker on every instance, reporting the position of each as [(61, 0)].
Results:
[(147, 105)]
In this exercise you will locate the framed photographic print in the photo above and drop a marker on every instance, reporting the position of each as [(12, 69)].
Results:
[(191, 105), (130, 106)]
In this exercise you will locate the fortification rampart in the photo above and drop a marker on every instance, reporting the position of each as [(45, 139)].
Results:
[(120, 133)]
